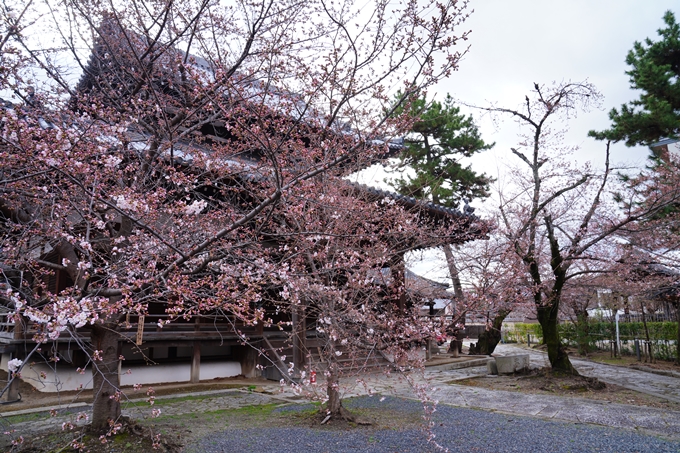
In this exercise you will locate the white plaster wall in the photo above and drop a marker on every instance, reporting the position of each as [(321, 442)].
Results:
[(177, 372), (46, 379), (66, 378)]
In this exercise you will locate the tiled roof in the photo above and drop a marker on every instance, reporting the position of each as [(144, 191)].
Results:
[(410, 202), (665, 141)]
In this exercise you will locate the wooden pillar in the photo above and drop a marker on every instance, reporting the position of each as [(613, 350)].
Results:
[(12, 393), (195, 374), (299, 338), (19, 352), (20, 327), (248, 357), (196, 363)]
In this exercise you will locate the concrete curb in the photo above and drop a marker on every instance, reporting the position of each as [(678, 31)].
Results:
[(208, 393), (646, 369), (458, 365)]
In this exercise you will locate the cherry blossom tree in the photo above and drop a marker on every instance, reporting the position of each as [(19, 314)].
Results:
[(344, 257), (153, 177), (557, 218), (490, 289), (648, 266)]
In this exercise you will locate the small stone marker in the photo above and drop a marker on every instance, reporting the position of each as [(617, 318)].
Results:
[(508, 364)]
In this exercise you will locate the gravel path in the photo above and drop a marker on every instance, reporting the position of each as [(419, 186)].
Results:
[(458, 429)]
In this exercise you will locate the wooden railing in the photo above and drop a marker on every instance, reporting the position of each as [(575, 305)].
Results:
[(225, 327), (6, 323)]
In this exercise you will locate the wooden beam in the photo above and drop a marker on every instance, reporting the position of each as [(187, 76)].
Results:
[(299, 339)]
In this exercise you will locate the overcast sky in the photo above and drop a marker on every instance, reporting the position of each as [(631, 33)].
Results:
[(515, 43)]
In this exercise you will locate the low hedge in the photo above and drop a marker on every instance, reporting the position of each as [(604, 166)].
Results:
[(658, 331), (662, 335), (519, 332)]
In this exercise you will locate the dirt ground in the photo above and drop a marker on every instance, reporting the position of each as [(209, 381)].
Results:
[(628, 360), (546, 382)]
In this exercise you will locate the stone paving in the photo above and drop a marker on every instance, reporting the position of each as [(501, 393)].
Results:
[(652, 384), (579, 410)]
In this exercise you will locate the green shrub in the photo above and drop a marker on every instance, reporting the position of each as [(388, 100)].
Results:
[(661, 334), (519, 332)]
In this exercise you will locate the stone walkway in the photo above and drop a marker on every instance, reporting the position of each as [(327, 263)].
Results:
[(652, 384), (581, 410)]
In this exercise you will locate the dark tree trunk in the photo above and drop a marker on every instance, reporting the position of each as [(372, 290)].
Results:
[(547, 312), (456, 345), (559, 360), (677, 340), (104, 341), (105, 379), (649, 350), (334, 404), (334, 407), (489, 339)]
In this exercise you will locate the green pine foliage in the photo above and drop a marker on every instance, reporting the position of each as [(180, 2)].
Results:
[(438, 139), (655, 70)]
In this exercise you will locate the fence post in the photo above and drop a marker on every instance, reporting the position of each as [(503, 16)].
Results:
[(529, 339), (618, 340), (637, 349)]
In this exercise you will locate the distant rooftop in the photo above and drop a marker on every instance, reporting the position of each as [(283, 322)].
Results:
[(665, 141)]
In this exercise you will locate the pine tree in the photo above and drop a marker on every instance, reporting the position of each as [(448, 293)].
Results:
[(438, 139), (440, 136), (655, 70)]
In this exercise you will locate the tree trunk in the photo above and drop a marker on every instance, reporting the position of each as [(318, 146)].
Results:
[(559, 360), (453, 273), (456, 345), (105, 379), (649, 351), (489, 339), (299, 338), (582, 332), (334, 407), (677, 340), (334, 404)]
